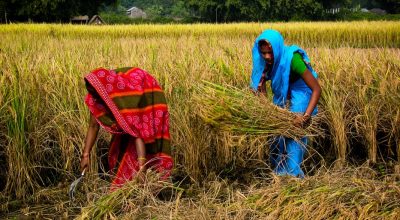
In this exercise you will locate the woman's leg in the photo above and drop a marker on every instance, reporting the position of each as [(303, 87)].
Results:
[(287, 156), (276, 156), (129, 164), (294, 156)]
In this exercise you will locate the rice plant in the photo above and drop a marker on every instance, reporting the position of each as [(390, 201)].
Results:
[(43, 119)]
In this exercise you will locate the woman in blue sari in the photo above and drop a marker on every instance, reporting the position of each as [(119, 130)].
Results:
[(294, 85)]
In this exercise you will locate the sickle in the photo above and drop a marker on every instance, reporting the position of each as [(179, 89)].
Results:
[(73, 186)]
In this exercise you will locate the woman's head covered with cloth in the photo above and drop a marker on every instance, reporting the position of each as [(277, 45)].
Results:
[(280, 70)]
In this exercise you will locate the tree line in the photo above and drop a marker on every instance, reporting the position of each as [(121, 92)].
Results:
[(194, 10), (48, 10)]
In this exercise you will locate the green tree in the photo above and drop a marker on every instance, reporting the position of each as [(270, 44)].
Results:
[(179, 10), (391, 6), (207, 10), (335, 3), (259, 10), (3, 13), (51, 10)]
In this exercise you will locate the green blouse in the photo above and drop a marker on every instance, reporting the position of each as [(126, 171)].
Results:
[(297, 67)]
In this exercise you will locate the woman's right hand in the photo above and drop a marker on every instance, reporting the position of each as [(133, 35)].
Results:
[(84, 162)]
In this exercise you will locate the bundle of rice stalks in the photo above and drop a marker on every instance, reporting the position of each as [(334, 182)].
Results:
[(238, 110), (135, 199)]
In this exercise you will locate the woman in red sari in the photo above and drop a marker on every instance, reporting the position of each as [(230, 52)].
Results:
[(130, 104)]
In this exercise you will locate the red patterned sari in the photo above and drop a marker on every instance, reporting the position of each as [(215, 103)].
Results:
[(131, 104)]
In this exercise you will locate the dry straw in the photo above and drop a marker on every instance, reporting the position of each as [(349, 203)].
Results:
[(43, 118), (330, 194), (241, 111)]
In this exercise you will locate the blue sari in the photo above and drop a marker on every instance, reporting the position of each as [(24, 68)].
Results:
[(286, 154)]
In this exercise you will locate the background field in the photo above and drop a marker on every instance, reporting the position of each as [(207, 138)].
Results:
[(43, 121)]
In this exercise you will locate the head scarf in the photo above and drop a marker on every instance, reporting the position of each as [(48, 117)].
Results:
[(280, 72)]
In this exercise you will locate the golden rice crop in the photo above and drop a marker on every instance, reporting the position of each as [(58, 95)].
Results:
[(316, 34), (43, 119)]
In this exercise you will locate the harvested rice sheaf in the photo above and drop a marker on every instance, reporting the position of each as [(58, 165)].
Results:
[(232, 109)]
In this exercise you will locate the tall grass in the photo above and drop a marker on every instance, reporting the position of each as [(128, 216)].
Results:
[(20, 122), (43, 118)]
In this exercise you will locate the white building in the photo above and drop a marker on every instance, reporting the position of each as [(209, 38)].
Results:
[(135, 12)]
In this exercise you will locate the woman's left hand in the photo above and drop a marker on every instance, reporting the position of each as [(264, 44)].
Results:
[(301, 120)]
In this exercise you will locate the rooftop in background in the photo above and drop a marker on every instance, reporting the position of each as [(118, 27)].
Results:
[(96, 19), (84, 19), (135, 12)]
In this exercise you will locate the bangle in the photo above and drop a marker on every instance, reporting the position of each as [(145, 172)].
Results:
[(141, 158)]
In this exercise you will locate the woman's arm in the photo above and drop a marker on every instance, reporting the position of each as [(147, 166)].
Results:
[(311, 82), (262, 85), (91, 136), (141, 152)]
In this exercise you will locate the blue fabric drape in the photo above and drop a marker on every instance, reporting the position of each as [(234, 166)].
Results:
[(279, 75), (286, 154)]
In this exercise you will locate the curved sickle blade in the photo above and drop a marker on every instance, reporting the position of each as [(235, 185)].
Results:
[(73, 186)]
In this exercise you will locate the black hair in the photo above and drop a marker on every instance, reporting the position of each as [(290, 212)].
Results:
[(263, 42)]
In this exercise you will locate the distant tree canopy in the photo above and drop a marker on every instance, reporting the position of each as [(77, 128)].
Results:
[(392, 6), (195, 10), (50, 10), (258, 10), (272, 10), (335, 3)]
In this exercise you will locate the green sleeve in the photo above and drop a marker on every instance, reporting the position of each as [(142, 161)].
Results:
[(122, 69), (298, 66)]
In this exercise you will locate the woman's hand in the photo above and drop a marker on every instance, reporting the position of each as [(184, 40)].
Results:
[(302, 120), (84, 161), (141, 175)]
